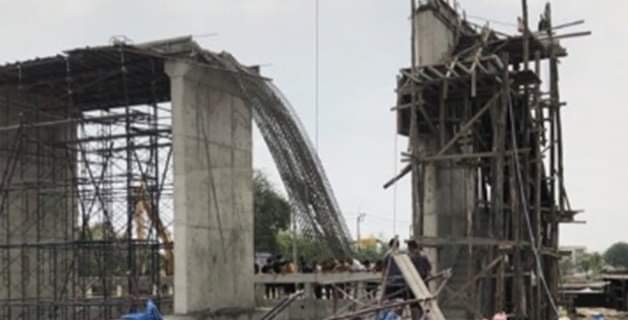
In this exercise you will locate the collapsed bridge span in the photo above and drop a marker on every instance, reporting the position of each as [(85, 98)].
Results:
[(106, 150)]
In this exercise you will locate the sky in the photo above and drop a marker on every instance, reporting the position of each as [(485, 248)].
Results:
[(363, 44)]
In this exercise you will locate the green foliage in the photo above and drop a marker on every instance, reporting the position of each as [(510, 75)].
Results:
[(99, 255), (591, 263), (313, 250), (371, 253), (617, 255), (99, 231), (566, 266), (371, 249), (272, 214), (310, 249)]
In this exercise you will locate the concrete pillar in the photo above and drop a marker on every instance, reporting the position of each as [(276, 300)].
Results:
[(434, 41), (449, 192), (434, 36), (38, 212), (213, 196)]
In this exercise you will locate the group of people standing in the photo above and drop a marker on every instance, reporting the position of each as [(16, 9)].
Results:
[(395, 288), (279, 265)]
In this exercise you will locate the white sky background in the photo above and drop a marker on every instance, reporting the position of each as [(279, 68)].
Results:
[(363, 44)]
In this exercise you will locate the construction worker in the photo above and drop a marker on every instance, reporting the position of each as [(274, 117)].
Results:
[(424, 268), (395, 284), (268, 269), (544, 24), (289, 267), (520, 27), (420, 260)]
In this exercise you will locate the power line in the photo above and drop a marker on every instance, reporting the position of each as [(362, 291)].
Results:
[(316, 69), (395, 185), (376, 217)]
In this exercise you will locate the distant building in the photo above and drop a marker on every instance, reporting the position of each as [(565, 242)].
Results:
[(573, 253)]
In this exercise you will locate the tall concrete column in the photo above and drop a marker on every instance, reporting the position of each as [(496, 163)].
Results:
[(448, 191), (213, 196), (38, 213), (441, 184)]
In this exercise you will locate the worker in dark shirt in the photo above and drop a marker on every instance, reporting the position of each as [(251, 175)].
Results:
[(268, 269), (278, 264), (423, 267), (395, 284), (543, 23), (420, 261)]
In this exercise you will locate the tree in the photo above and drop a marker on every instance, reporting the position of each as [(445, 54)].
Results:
[(617, 255), (98, 255), (370, 253), (306, 247), (272, 213), (566, 266), (370, 248), (591, 263)]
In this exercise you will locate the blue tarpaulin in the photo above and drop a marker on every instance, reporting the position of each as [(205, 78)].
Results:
[(387, 315), (151, 313)]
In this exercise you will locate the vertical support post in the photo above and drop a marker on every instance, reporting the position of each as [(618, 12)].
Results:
[(499, 147), (442, 116), (155, 189), (517, 213), (538, 183), (129, 177), (417, 212), (556, 159)]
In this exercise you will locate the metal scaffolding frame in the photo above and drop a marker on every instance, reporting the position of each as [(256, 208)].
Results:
[(78, 147)]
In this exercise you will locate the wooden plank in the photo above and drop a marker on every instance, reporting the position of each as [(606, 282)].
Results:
[(412, 277), (436, 71), (450, 69), (462, 156), (400, 175), (417, 286), (459, 241)]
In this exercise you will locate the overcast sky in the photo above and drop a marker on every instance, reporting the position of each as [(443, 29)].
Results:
[(363, 44)]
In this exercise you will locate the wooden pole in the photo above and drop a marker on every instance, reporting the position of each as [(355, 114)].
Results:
[(538, 183), (499, 146), (526, 35), (518, 286), (417, 217), (556, 159)]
